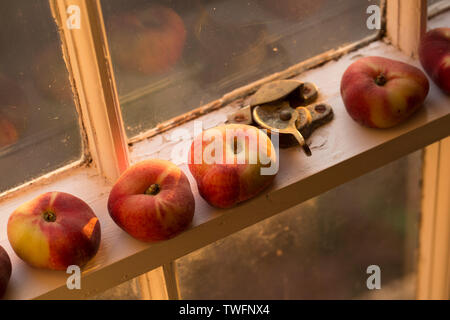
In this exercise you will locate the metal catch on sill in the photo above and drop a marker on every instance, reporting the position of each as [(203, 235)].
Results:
[(287, 107)]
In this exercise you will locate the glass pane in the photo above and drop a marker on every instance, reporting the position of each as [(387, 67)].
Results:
[(321, 249), (171, 56), (39, 128), (431, 2), (129, 290), (440, 6)]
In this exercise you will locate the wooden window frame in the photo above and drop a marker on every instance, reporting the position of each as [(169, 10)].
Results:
[(434, 247), (102, 124)]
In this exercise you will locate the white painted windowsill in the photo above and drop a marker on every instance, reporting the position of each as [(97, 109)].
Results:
[(342, 150)]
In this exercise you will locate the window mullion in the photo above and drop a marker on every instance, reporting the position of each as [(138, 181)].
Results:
[(434, 250), (88, 60), (406, 23)]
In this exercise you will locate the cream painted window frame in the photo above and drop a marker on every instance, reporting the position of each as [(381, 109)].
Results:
[(406, 24), (102, 124)]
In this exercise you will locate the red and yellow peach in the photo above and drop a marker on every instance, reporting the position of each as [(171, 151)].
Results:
[(5, 270), (232, 163), (54, 230), (152, 201), (381, 93), (434, 53)]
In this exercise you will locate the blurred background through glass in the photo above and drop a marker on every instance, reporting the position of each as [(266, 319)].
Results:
[(39, 128), (172, 56), (321, 249)]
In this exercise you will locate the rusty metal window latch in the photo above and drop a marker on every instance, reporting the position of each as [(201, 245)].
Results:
[(287, 107)]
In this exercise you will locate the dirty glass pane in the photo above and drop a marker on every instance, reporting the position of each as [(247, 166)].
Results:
[(322, 248), (431, 2), (439, 3), (171, 56), (39, 129), (129, 290)]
